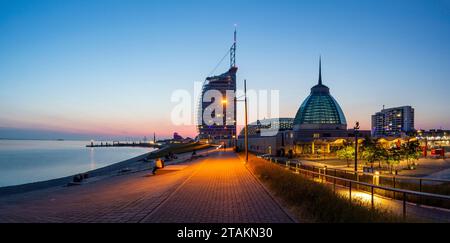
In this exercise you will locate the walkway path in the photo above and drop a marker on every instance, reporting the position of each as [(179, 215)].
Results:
[(215, 189)]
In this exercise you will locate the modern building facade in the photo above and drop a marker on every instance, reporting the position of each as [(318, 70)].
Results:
[(393, 122), (269, 136), (223, 129)]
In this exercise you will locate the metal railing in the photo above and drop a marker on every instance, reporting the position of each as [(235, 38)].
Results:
[(419, 184), (372, 189), (398, 177), (401, 182)]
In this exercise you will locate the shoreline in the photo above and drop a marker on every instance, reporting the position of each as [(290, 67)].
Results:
[(61, 181), (106, 171)]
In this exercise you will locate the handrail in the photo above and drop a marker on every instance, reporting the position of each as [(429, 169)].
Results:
[(387, 176), (406, 177), (415, 193)]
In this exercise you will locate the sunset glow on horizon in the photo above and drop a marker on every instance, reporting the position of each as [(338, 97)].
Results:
[(108, 68)]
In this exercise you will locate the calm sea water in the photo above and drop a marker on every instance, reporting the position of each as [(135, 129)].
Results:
[(24, 161)]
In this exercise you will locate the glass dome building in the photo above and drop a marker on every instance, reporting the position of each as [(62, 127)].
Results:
[(320, 111), (318, 129)]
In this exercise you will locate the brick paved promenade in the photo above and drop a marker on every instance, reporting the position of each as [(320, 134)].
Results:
[(216, 189)]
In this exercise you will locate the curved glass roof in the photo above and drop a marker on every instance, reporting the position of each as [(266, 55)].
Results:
[(320, 108)]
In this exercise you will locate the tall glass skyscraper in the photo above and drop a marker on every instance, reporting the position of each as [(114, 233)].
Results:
[(223, 129)]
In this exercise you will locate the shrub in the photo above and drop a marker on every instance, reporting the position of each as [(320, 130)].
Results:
[(313, 201)]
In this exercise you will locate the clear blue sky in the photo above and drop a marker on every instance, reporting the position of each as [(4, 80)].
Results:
[(109, 67)]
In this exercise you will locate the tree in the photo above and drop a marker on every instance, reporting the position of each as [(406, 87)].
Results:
[(368, 150), (373, 152), (394, 157), (368, 143), (384, 155), (411, 151), (346, 153)]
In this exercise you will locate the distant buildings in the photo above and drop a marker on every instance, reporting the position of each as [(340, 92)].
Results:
[(393, 122), (177, 136), (434, 138)]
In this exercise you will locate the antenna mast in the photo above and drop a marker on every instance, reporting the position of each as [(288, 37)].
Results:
[(320, 70), (233, 51)]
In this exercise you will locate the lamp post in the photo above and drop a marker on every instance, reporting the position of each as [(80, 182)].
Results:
[(246, 121), (356, 129), (224, 119)]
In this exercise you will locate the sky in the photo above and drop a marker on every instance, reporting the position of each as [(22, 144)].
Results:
[(108, 68)]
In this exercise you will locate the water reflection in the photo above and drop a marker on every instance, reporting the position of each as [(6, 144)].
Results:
[(92, 156), (25, 161)]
